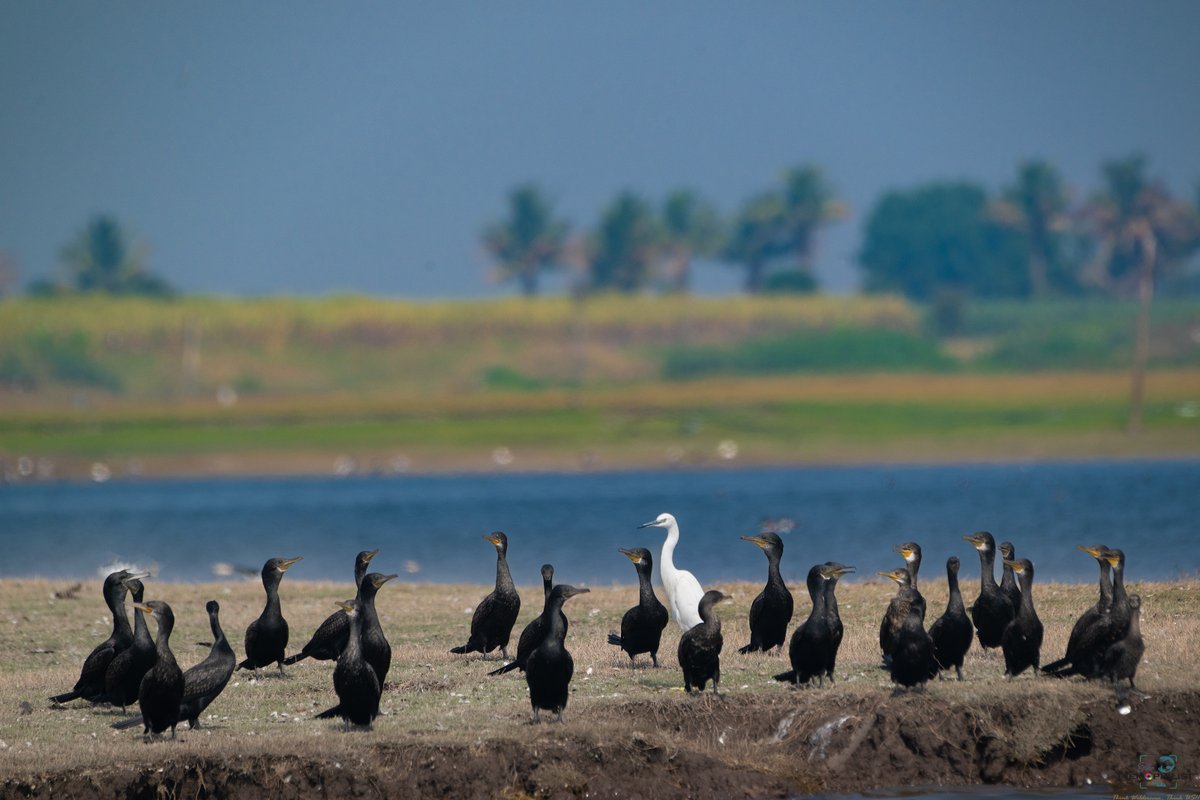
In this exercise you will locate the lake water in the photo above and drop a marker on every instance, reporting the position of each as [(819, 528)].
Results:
[(429, 527)]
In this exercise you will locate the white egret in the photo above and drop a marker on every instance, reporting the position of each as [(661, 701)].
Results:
[(682, 588)]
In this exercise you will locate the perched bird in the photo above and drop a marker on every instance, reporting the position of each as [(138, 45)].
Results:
[(809, 649), (912, 654), (642, 625), (330, 637), (897, 611), (375, 647), (357, 686), (494, 617), (90, 685), (951, 632), (1122, 657), (125, 671), (700, 647), (267, 636), (771, 611), (991, 612), (1008, 579), (161, 691), (203, 682), (1088, 618), (682, 588), (1022, 639), (836, 571), (549, 667), (532, 635)]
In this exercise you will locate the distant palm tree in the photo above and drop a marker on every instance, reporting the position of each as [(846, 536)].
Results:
[(625, 245), (809, 204), (529, 241), (756, 237), (1140, 227), (690, 228), (1036, 206), (102, 258)]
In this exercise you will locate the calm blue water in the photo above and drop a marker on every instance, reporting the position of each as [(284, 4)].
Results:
[(849, 514)]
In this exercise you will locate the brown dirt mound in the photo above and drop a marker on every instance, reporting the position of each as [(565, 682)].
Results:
[(808, 741)]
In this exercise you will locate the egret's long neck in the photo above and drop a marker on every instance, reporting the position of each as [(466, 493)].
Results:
[(667, 561)]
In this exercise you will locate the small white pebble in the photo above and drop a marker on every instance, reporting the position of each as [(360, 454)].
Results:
[(589, 670)]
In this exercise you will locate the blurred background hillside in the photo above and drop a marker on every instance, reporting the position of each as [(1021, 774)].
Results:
[(302, 239)]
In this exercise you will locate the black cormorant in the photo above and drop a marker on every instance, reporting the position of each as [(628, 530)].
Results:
[(771, 611), (267, 636), (700, 647), (204, 681), (836, 571), (549, 668), (330, 637), (897, 611), (642, 625), (951, 632), (90, 685), (1090, 617), (375, 647), (992, 611), (1008, 579), (809, 649), (161, 690), (492, 622), (532, 634), (1022, 639), (1122, 657), (912, 653), (358, 687), (125, 671)]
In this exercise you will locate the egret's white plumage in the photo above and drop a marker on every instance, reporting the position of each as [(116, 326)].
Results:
[(682, 588)]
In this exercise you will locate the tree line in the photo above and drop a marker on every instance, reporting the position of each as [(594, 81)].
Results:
[(1032, 239)]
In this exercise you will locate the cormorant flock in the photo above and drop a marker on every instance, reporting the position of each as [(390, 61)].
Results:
[(1105, 643)]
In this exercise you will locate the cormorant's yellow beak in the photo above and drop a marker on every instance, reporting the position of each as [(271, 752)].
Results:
[(142, 607), (493, 538), (905, 552), (1017, 566), (631, 555), (758, 540), (1113, 559), (898, 575), (1093, 550), (382, 579), (287, 562), (367, 558), (345, 605)]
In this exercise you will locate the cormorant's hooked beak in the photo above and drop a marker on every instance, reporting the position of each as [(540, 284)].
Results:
[(898, 575), (631, 555), (367, 558), (1112, 558), (345, 605), (493, 538), (905, 552), (1093, 550), (382, 579), (287, 562), (145, 609), (758, 540), (978, 541), (838, 570), (571, 591), (1016, 566)]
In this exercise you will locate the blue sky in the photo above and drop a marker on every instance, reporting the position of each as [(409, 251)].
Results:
[(304, 147)]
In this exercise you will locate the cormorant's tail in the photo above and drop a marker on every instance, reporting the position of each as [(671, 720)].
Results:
[(64, 698), (786, 677), (287, 662), (614, 639), (1054, 666), (130, 722), (245, 665), (747, 649), (509, 667), (330, 713), (466, 648)]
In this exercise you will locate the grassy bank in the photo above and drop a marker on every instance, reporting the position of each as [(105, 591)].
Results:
[(763, 740)]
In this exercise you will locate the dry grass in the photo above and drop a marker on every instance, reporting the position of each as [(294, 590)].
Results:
[(440, 697)]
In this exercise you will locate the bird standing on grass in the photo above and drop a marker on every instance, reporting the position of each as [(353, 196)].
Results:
[(810, 644), (771, 610), (533, 633), (267, 636), (330, 637), (549, 668), (1022, 639), (642, 625), (1008, 578), (357, 686), (1122, 657), (125, 671), (682, 588), (1090, 618), (897, 611), (90, 685), (700, 647), (835, 572), (161, 689), (992, 610), (912, 653), (494, 617), (951, 632)]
